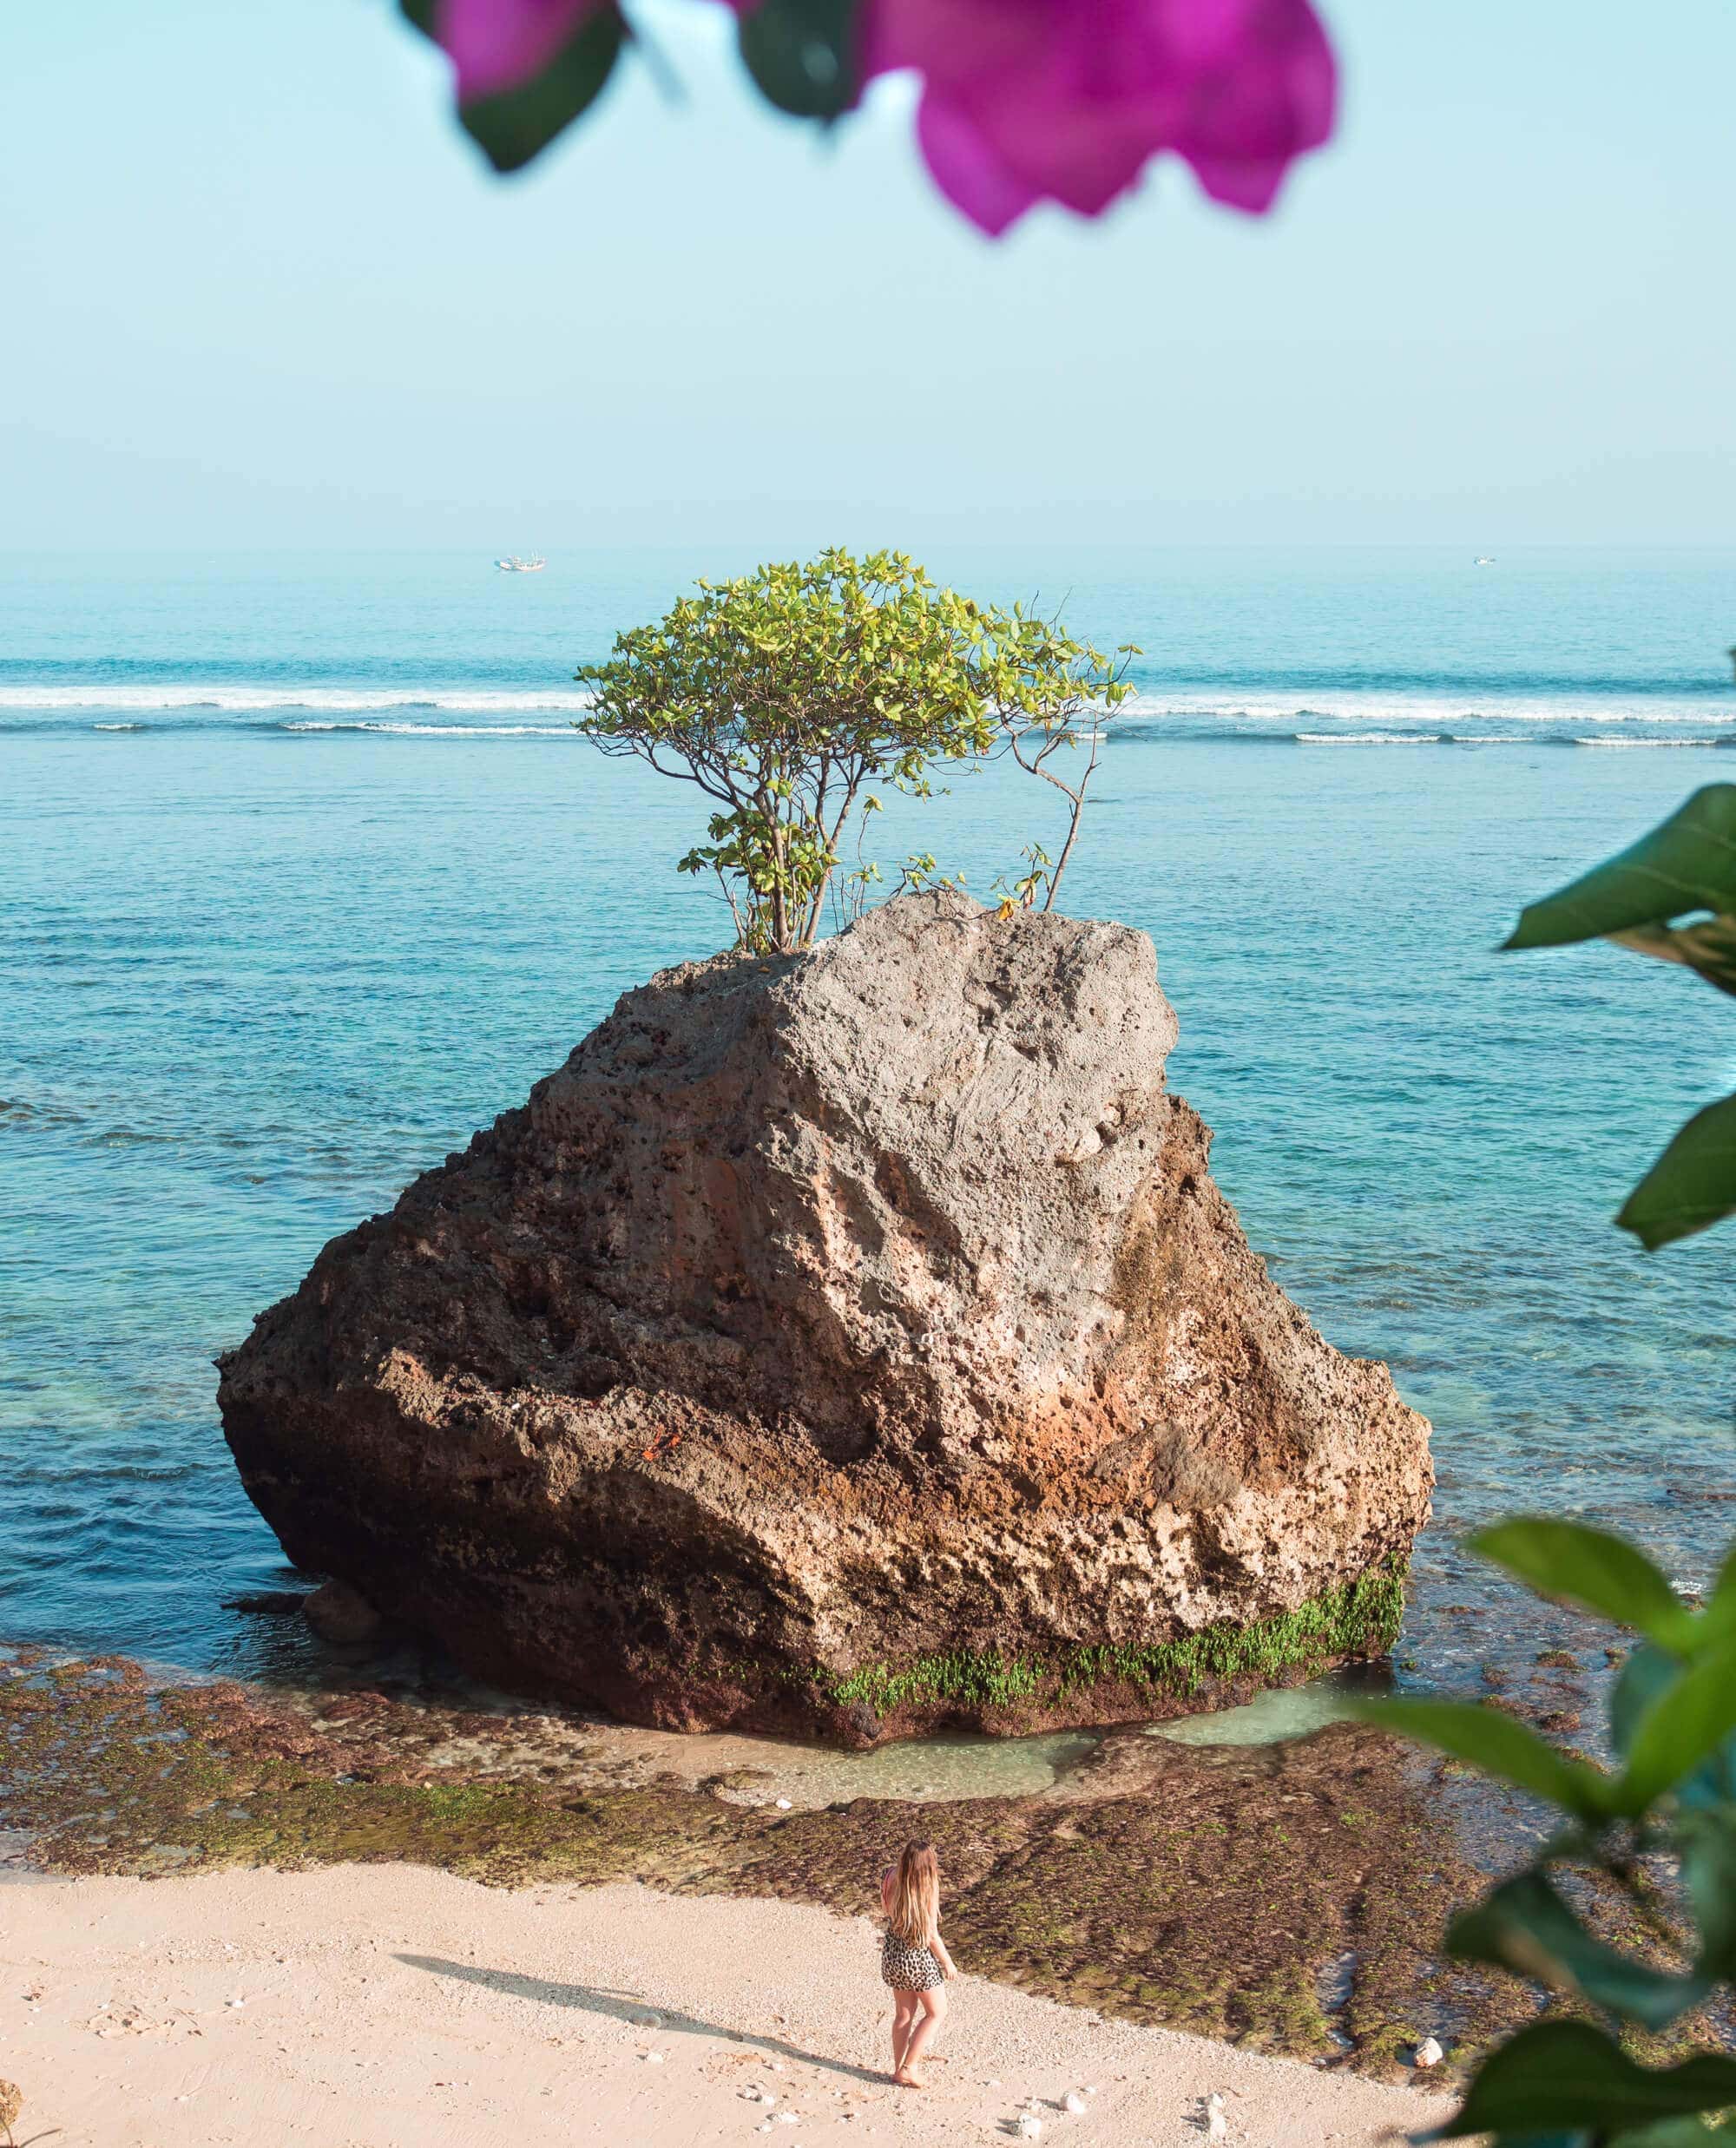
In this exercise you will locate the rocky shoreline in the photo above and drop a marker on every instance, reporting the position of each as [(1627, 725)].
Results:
[(1288, 1898)]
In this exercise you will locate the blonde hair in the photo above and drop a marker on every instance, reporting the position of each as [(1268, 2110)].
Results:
[(916, 1896)]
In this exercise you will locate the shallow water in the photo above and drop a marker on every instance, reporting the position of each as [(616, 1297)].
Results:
[(765, 1771), (258, 974), (1280, 1713)]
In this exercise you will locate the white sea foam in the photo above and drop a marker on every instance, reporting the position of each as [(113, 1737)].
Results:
[(1443, 710), (1417, 738), (1630, 744), (194, 694), (1368, 738), (437, 731), (1317, 715)]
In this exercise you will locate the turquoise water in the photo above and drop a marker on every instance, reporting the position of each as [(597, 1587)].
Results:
[(304, 875)]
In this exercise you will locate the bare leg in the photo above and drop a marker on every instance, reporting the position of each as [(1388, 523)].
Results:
[(904, 2020), (933, 2005)]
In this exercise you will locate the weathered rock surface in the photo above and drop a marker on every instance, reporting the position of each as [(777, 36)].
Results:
[(342, 1615), (852, 1340)]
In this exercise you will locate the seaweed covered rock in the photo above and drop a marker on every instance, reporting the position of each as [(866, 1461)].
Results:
[(853, 1341)]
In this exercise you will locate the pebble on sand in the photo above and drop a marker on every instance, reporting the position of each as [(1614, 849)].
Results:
[(1429, 2053)]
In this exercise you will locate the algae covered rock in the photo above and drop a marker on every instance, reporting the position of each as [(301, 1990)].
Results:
[(852, 1340)]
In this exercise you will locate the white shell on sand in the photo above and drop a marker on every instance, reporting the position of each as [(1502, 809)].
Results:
[(1029, 2125), (1429, 2053), (1074, 2100)]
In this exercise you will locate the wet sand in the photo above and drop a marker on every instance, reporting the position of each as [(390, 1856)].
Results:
[(393, 2006)]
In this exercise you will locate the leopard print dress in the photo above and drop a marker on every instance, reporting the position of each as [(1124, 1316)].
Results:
[(908, 1968)]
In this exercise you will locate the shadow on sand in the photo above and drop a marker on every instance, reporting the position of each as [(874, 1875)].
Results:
[(628, 2006)]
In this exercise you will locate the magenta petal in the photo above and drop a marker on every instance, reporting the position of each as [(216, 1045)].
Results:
[(498, 44), (1069, 99), (966, 168), (1253, 187), (952, 42)]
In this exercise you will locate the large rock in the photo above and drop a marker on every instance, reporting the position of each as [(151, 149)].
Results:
[(853, 1341)]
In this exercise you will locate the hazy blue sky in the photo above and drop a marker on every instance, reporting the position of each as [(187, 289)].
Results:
[(259, 291)]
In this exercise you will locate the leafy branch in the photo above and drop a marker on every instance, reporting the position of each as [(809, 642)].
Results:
[(787, 697), (1673, 896)]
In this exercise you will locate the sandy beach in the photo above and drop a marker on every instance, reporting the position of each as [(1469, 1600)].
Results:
[(374, 2007)]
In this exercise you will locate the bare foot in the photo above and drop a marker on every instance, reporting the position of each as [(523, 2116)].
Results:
[(901, 2080)]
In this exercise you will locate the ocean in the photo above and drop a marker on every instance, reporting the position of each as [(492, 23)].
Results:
[(305, 874)]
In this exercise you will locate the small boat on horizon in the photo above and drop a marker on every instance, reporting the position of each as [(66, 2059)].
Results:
[(513, 565), (1484, 559)]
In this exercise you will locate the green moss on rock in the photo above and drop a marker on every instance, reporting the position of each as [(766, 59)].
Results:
[(1360, 1618)]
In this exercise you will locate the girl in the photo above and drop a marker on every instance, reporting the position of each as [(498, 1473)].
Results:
[(914, 1961)]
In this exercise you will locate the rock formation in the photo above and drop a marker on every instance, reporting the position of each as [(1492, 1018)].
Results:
[(851, 1341)]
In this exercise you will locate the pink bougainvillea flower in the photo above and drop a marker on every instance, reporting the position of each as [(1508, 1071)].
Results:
[(1025, 101), (498, 44)]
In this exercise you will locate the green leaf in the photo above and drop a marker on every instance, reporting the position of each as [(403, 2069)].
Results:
[(1718, 1621), (1591, 1568), (1500, 1747), (516, 125), (1687, 863), (1560, 2075), (1648, 1674), (1526, 1927), (802, 54), (1689, 1723), (1706, 1842), (1692, 1185)]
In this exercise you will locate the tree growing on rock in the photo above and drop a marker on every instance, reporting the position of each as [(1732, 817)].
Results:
[(787, 695)]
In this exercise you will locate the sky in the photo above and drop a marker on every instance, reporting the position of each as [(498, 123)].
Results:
[(259, 293)]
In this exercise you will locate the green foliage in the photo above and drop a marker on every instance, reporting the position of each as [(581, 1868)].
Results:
[(1686, 863), (1022, 892), (1501, 1747), (1567, 2082), (1672, 1796), (1671, 895), (786, 694), (1600, 1571), (1671, 1799), (1525, 1926), (516, 125), (1692, 1185)]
